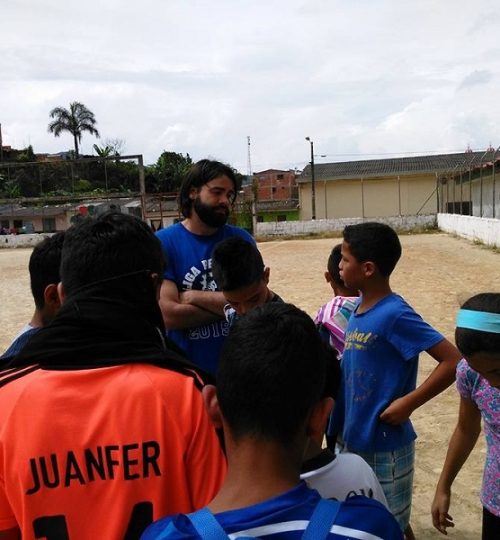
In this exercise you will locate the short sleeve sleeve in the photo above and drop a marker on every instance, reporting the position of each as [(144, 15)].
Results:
[(465, 379), (411, 335)]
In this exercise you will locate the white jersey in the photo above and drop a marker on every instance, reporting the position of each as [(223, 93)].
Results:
[(342, 476)]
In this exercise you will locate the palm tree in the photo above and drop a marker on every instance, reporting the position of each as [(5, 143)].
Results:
[(76, 120)]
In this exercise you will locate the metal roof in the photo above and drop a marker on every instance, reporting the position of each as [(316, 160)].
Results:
[(45, 211), (370, 168)]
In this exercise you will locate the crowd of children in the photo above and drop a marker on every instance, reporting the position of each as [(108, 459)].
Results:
[(125, 434)]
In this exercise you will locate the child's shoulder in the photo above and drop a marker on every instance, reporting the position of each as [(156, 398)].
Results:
[(390, 306)]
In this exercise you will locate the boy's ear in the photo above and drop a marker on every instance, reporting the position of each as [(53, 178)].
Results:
[(267, 273), (370, 268), (318, 419), (51, 296), (211, 403), (328, 277), (157, 281), (60, 292)]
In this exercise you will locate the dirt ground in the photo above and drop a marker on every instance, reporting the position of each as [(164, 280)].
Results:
[(435, 274)]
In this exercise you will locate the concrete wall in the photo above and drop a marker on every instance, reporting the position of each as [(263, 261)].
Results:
[(298, 228), (486, 230), (21, 240)]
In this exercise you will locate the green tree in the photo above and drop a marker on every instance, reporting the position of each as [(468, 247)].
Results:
[(103, 151), (76, 120), (170, 170), (111, 148)]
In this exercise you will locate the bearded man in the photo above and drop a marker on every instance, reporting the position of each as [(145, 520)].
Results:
[(191, 304)]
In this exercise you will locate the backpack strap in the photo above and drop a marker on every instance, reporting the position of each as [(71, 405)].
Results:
[(206, 525), (322, 519)]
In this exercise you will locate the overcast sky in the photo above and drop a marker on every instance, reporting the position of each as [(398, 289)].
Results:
[(362, 78)]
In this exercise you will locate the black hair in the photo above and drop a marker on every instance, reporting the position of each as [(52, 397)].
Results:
[(470, 341), (44, 265), (333, 265), (375, 242), (236, 263), (271, 373), (199, 174), (107, 247)]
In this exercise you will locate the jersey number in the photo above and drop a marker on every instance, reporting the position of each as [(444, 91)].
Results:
[(55, 527)]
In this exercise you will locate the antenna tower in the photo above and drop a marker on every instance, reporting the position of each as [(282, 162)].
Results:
[(249, 162)]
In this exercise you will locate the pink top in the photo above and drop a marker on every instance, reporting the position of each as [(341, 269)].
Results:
[(474, 387), (334, 316)]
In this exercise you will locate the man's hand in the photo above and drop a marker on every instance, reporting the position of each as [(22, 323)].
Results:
[(440, 517), (398, 412)]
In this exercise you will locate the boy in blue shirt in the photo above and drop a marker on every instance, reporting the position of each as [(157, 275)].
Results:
[(384, 338), (270, 380)]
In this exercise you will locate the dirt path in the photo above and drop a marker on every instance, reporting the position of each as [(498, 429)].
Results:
[(436, 272)]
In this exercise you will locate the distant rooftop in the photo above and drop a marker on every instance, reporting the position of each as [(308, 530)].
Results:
[(370, 168)]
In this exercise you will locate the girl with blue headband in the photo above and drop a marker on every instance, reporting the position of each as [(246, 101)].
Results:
[(478, 382)]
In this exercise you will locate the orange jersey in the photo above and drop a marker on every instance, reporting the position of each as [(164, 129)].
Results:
[(100, 453)]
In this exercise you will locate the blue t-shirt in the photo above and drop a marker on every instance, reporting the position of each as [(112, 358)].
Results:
[(379, 365), (18, 344), (189, 266), (287, 516)]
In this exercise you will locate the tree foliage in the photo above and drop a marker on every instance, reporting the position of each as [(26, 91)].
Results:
[(167, 174), (76, 120)]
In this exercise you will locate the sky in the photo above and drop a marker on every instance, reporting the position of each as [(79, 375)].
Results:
[(363, 79)]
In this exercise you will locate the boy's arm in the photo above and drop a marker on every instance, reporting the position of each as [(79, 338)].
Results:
[(178, 312), (461, 444), (447, 356)]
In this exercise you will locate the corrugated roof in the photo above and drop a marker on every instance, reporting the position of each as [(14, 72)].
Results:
[(46, 211), (394, 166)]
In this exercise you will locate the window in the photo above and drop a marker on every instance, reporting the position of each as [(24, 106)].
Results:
[(260, 219), (280, 176), (18, 224), (274, 189), (281, 217), (459, 208), (5, 224), (49, 224), (135, 211)]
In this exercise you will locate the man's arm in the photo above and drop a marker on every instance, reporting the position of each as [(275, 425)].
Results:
[(447, 356), (212, 301), (178, 312), (461, 444)]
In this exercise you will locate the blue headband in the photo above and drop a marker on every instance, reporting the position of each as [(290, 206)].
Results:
[(479, 320)]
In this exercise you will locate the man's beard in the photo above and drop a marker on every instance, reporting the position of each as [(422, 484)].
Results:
[(210, 215)]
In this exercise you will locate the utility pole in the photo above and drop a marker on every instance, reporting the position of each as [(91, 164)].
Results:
[(1, 144), (255, 187), (313, 183)]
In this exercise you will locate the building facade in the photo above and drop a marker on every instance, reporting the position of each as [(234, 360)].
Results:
[(383, 187)]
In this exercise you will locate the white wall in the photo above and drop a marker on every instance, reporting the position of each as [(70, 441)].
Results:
[(21, 240), (486, 230), (297, 228)]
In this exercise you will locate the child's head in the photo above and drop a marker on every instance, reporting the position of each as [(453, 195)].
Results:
[(332, 275), (369, 249), (44, 265), (239, 272), (478, 335), (271, 377)]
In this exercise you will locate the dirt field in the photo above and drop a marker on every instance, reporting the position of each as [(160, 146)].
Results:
[(436, 273)]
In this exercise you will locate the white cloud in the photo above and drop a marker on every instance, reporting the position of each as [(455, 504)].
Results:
[(199, 76)]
